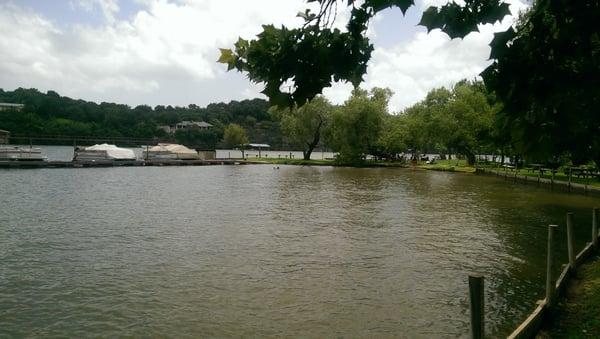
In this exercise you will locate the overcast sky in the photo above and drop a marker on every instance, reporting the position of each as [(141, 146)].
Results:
[(163, 52)]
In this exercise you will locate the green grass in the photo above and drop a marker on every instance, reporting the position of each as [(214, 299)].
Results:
[(578, 316), (440, 165), (302, 162), (448, 166)]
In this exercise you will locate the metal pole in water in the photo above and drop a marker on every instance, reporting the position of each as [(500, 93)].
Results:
[(477, 305), (595, 227), (570, 241), (549, 258)]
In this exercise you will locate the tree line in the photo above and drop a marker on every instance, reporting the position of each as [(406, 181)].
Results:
[(47, 114), (459, 120)]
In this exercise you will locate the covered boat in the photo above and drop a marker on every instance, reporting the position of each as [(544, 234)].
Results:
[(103, 152), (170, 151), (19, 153)]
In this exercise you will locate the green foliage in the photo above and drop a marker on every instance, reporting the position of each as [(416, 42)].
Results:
[(547, 73), (458, 21), (302, 127), (296, 64), (235, 136), (394, 137), (450, 121), (356, 126)]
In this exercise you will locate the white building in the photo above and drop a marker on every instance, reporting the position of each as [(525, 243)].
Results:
[(185, 125), (4, 136), (5, 106)]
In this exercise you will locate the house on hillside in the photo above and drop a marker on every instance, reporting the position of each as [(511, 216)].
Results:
[(192, 125), (6, 106), (4, 136), (186, 125)]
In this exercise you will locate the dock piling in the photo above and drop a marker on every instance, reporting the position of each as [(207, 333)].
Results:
[(549, 261), (595, 215), (477, 306), (570, 241)]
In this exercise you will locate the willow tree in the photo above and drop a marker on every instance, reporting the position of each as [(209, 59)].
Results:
[(303, 126), (308, 58), (356, 126)]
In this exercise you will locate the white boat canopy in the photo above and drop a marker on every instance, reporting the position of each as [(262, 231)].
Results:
[(170, 151), (113, 151), (172, 148)]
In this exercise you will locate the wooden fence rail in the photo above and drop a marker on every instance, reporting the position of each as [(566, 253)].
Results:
[(554, 289)]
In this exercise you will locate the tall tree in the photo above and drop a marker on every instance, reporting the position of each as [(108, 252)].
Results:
[(458, 120), (547, 73), (314, 55), (356, 126), (303, 126), (235, 136)]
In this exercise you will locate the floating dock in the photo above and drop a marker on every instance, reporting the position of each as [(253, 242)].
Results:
[(126, 163)]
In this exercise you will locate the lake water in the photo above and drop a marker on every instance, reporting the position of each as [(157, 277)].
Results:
[(253, 251)]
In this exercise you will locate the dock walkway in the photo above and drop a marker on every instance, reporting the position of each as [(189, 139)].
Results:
[(127, 163)]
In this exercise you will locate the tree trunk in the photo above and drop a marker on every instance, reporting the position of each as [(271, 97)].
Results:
[(468, 154), (470, 158), (315, 141)]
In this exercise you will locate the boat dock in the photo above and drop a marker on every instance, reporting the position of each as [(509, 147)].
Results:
[(125, 163)]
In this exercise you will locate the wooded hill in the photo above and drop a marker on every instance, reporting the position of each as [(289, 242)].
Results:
[(50, 114)]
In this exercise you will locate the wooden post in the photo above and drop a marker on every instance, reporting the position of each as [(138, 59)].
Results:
[(477, 306), (570, 241), (595, 216), (549, 259)]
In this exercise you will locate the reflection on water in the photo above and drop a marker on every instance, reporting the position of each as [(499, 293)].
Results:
[(234, 251)]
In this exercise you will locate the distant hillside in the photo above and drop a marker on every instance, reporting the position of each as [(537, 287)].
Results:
[(51, 114)]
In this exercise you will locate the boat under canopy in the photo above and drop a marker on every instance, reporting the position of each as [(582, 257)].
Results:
[(103, 152), (170, 151), (19, 153)]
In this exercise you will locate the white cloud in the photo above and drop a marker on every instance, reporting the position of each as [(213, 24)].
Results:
[(108, 7), (165, 43)]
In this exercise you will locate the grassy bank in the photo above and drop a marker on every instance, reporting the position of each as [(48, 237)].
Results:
[(448, 166), (558, 176), (578, 316), (440, 165), (302, 162)]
